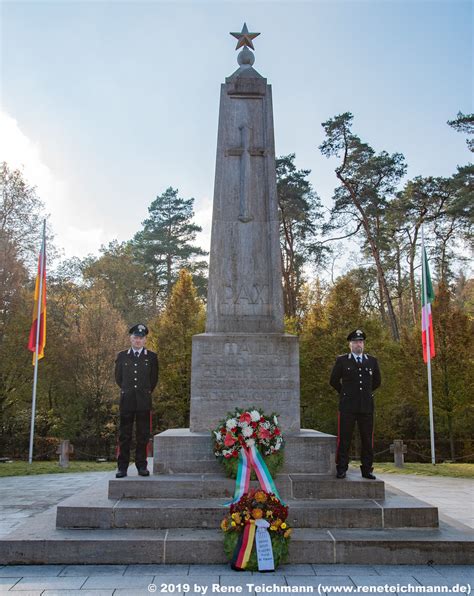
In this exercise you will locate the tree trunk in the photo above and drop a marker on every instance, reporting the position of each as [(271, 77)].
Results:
[(378, 264)]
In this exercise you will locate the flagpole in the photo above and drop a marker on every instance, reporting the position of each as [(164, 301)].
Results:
[(38, 321), (428, 347)]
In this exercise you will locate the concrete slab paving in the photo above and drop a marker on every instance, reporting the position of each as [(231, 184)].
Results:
[(163, 570), (8, 582), (25, 593), (41, 570), (324, 580), (76, 593), (49, 583), (344, 570), (452, 496), (101, 582), (93, 570)]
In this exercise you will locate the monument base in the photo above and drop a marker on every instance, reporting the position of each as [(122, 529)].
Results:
[(179, 451), (244, 370)]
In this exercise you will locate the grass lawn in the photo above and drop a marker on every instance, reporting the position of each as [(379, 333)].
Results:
[(22, 468), (452, 470)]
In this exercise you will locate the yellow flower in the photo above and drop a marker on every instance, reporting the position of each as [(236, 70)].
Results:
[(277, 523), (260, 496), (283, 526), (237, 518), (224, 526), (273, 528), (287, 534), (257, 513), (233, 524), (269, 513)]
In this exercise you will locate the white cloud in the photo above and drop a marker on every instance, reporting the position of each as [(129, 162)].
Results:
[(20, 152)]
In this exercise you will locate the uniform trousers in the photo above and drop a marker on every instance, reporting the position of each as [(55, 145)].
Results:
[(346, 423), (142, 434)]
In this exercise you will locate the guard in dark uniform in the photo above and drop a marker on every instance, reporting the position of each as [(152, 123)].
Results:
[(136, 373), (355, 376)]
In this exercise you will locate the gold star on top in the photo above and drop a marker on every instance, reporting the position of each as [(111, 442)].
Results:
[(245, 38)]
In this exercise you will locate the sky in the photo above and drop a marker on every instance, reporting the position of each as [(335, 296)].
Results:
[(106, 104)]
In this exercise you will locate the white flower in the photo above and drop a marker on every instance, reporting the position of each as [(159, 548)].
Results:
[(231, 423), (266, 425), (247, 431), (275, 420), (250, 443), (218, 435), (255, 415)]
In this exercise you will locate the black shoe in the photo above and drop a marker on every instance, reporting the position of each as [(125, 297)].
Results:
[(341, 474), (143, 472), (121, 474), (367, 473)]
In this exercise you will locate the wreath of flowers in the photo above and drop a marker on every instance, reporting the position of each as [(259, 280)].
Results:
[(247, 428), (258, 504)]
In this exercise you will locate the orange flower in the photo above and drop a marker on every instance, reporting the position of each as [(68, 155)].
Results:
[(257, 513), (260, 496), (287, 534)]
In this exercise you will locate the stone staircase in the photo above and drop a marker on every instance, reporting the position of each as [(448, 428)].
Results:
[(173, 516), (174, 519)]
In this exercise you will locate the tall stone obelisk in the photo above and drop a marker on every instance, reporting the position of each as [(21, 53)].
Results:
[(244, 358)]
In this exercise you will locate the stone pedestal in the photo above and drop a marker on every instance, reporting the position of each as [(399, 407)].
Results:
[(244, 370), (180, 451)]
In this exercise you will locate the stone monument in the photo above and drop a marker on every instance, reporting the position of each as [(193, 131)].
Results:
[(244, 358)]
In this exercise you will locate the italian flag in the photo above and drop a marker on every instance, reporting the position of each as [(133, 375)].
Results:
[(427, 297)]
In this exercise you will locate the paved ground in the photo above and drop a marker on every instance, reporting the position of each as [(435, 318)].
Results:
[(454, 497), (95, 580), (25, 496)]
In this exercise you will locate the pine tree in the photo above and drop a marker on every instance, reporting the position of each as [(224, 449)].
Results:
[(165, 245)]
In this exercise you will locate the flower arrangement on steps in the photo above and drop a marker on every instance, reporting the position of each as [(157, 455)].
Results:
[(247, 429), (256, 534)]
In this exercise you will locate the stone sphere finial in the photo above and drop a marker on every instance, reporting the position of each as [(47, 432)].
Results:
[(245, 57)]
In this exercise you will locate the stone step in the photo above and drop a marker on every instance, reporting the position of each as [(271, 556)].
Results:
[(39, 542), (203, 486), (392, 512)]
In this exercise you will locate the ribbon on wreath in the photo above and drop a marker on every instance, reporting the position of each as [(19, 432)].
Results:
[(251, 458), (243, 548), (255, 530)]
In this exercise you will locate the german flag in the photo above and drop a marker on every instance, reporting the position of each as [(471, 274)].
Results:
[(38, 329)]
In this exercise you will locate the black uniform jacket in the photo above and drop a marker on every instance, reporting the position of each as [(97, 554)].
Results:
[(355, 382), (136, 377)]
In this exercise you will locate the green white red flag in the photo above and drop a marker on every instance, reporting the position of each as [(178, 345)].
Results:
[(427, 297)]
